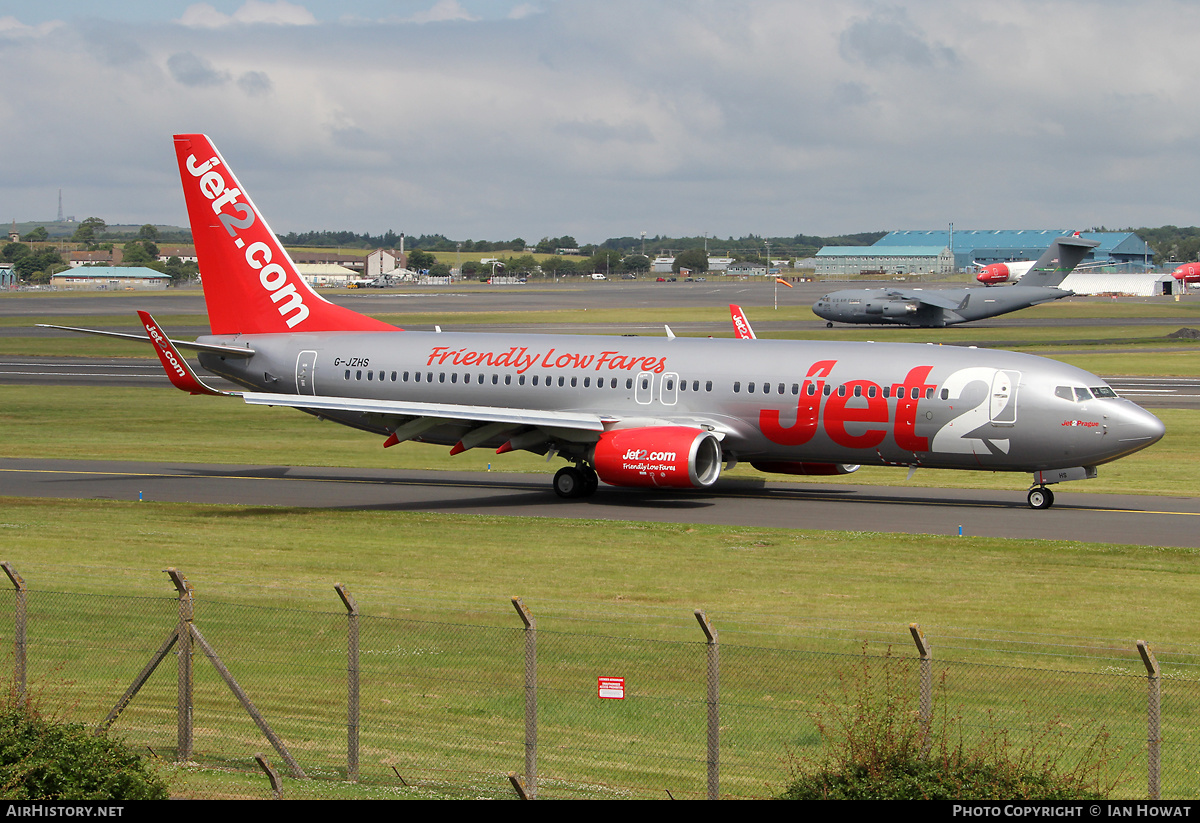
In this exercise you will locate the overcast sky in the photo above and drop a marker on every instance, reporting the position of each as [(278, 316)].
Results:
[(495, 119)]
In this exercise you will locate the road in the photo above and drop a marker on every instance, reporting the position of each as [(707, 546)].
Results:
[(1156, 521)]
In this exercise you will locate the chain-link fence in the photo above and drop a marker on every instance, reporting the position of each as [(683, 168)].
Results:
[(559, 705)]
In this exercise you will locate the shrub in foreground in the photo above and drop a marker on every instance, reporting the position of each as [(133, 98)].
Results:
[(42, 759), (876, 747)]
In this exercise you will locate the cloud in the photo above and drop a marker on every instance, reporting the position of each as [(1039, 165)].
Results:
[(255, 83), (278, 13), (443, 11), (771, 116), (192, 70), (888, 37)]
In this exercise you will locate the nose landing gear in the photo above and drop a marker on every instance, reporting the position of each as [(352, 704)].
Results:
[(1040, 497)]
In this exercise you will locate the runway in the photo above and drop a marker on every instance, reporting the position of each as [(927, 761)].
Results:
[(1155, 521), (1162, 521)]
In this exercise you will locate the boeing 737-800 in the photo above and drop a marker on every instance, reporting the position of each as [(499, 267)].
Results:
[(647, 412)]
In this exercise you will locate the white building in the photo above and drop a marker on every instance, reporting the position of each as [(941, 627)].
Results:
[(326, 274), (382, 261), (1148, 284)]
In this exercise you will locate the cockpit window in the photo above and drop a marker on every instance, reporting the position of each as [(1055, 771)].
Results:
[(1078, 394)]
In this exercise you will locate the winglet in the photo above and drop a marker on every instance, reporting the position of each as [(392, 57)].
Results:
[(741, 326), (174, 364)]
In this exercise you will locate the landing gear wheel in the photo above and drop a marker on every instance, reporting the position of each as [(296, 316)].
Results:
[(569, 482), (829, 325), (590, 481), (1041, 498)]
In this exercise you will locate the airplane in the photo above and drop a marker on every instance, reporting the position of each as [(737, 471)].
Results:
[(936, 308), (741, 323), (1187, 273), (994, 274), (650, 413)]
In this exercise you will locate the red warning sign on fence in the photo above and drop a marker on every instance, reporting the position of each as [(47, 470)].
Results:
[(611, 688)]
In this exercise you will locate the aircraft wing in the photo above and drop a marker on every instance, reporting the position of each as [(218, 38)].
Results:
[(929, 298), (447, 412), (524, 428)]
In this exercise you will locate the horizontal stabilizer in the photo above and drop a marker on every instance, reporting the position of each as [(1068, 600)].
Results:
[(228, 351)]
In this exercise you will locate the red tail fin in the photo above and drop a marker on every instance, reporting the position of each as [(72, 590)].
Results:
[(741, 324), (251, 285)]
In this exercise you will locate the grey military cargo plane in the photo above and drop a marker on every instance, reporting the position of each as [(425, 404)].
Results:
[(667, 412), (948, 307)]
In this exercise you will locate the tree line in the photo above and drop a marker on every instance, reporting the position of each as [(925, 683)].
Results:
[(35, 260)]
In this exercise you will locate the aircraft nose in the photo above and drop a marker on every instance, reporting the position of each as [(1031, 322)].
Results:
[(1137, 428)]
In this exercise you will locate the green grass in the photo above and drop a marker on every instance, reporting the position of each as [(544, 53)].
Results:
[(442, 692)]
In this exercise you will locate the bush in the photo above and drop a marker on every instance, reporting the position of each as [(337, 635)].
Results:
[(42, 759), (876, 747)]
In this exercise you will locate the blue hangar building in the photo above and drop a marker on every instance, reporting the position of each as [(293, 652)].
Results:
[(1117, 248)]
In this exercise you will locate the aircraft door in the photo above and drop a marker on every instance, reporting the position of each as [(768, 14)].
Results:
[(1003, 410), (668, 389), (306, 366), (643, 390)]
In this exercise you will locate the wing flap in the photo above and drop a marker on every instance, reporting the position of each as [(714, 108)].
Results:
[(583, 421)]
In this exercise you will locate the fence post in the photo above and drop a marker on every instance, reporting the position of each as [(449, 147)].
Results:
[(352, 692), (183, 706), (1153, 731), (926, 653), (19, 675), (713, 700), (530, 697)]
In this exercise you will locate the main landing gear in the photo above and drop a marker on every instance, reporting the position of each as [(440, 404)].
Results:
[(1040, 497), (576, 481)]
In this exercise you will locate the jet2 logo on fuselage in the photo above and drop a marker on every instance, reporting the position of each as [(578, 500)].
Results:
[(871, 409)]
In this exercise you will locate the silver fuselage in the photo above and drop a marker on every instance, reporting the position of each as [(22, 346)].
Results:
[(828, 402)]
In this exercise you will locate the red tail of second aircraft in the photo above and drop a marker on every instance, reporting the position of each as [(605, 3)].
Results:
[(251, 285)]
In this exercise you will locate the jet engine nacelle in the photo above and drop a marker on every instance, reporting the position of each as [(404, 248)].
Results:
[(892, 308), (678, 457), (789, 467)]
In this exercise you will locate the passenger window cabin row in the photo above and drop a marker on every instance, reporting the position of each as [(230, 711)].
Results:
[(587, 382)]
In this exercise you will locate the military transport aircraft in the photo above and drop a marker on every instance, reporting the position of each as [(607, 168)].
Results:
[(666, 412), (948, 307)]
